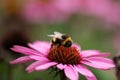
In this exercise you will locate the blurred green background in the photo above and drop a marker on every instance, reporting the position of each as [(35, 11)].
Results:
[(87, 31)]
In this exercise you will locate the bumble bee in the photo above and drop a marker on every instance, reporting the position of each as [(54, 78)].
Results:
[(61, 39)]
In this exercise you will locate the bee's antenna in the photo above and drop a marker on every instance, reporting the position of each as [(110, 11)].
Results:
[(51, 35)]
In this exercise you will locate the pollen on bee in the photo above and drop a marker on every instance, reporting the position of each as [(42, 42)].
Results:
[(54, 39)]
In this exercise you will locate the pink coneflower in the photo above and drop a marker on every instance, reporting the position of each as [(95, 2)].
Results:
[(48, 10), (67, 60)]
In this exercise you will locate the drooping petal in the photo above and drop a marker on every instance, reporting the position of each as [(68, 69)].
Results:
[(98, 62), (71, 73), (39, 58), (25, 50), (61, 66), (83, 70), (45, 66), (32, 67), (21, 60)]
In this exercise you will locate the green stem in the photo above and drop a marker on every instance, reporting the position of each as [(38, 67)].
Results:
[(63, 76), (10, 72)]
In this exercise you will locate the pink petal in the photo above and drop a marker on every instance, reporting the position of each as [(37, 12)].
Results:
[(39, 58), (32, 67), (42, 44), (91, 78), (71, 73), (83, 70), (101, 55), (21, 60), (25, 50), (93, 53), (45, 66), (77, 46), (41, 49), (61, 66), (100, 63), (100, 59), (87, 53)]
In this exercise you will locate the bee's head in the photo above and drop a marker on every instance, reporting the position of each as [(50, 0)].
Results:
[(66, 40)]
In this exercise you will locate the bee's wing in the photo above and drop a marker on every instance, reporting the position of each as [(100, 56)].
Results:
[(56, 35)]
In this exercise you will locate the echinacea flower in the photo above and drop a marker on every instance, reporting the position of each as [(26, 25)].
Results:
[(70, 60)]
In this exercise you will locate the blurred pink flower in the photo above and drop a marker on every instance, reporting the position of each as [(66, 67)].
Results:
[(40, 11), (49, 10), (71, 60), (107, 10)]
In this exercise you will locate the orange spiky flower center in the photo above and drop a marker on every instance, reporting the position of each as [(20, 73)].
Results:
[(65, 55)]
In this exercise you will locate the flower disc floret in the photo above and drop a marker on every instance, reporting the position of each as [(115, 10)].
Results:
[(65, 55)]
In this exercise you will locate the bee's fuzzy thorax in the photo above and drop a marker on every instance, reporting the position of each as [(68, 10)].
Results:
[(61, 39)]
